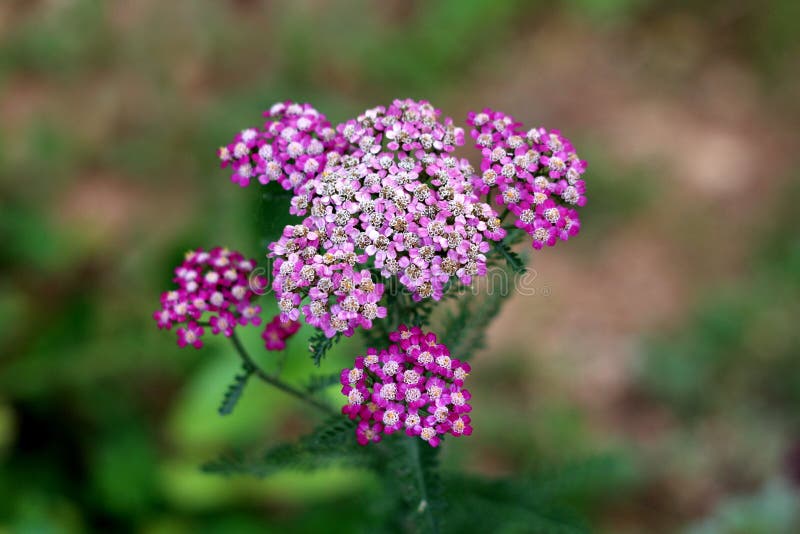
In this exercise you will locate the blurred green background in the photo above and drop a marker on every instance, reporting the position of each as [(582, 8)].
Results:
[(663, 340)]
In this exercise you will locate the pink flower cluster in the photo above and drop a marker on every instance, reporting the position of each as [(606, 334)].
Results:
[(414, 385), (537, 174), (397, 202), (340, 297), (216, 283), (277, 332), (290, 149)]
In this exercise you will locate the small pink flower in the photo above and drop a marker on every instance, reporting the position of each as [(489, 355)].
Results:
[(223, 323), (190, 335), (366, 433)]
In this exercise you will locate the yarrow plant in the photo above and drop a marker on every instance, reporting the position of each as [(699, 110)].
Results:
[(389, 224)]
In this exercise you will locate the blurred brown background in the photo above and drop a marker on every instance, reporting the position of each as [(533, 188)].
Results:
[(663, 339)]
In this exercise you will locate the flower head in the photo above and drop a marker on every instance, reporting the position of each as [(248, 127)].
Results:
[(536, 173), (217, 285), (388, 391), (277, 332), (396, 201), (289, 149)]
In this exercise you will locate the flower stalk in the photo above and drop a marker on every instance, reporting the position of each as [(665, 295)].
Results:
[(274, 381)]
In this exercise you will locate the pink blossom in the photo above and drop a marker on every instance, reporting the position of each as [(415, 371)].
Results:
[(536, 173), (389, 390), (277, 331), (212, 285), (291, 148), (405, 206)]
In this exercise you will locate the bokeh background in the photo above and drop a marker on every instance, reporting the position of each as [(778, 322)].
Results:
[(662, 345)]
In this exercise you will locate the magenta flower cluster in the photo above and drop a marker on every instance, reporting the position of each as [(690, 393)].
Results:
[(340, 297), (217, 284), (290, 149), (276, 332), (412, 386), (537, 175), (396, 202)]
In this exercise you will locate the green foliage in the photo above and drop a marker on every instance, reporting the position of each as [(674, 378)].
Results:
[(331, 443), (608, 10), (464, 330), (412, 471), (235, 390), (420, 313), (317, 383), (320, 344), (770, 510), (60, 42), (402, 309), (272, 215), (443, 51), (489, 507), (547, 501), (514, 261)]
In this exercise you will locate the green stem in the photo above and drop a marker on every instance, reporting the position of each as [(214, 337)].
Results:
[(424, 506), (504, 214), (274, 381)]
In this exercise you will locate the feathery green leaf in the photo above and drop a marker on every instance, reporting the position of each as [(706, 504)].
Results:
[(514, 261), (318, 383), (320, 344), (465, 329), (332, 443), (235, 390)]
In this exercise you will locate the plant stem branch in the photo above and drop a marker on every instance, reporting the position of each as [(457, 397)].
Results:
[(424, 507), (274, 381), (504, 214)]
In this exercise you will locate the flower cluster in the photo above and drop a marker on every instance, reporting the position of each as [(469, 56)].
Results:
[(537, 174), (340, 297), (290, 149), (414, 385), (277, 332), (216, 283), (396, 202)]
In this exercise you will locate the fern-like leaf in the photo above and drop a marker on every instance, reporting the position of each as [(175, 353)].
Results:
[(465, 329), (545, 501), (235, 390), (421, 313), (320, 344), (318, 383), (332, 443), (505, 507), (411, 471), (514, 261)]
